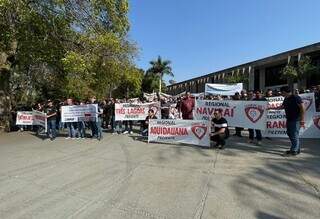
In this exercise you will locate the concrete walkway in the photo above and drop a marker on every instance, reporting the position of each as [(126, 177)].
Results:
[(121, 177)]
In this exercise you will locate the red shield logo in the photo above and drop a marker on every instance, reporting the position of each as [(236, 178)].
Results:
[(254, 113), (199, 131), (316, 121), (307, 102)]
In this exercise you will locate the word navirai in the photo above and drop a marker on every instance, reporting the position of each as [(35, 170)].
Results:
[(168, 131)]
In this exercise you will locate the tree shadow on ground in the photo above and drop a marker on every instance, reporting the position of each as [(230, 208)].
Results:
[(288, 183)]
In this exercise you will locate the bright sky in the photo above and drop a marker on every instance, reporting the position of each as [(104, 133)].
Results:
[(203, 36)]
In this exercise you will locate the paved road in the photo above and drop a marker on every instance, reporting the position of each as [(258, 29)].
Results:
[(121, 177)]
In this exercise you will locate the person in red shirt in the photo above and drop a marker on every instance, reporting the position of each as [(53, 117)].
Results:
[(186, 107)]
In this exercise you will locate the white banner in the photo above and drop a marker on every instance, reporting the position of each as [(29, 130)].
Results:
[(276, 118), (32, 118), (24, 118), (131, 111), (246, 114), (223, 89), (150, 97), (180, 131), (77, 113)]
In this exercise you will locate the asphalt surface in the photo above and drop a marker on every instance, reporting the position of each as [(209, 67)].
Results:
[(124, 177)]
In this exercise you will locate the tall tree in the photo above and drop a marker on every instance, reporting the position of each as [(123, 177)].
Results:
[(299, 72), (58, 48), (160, 68)]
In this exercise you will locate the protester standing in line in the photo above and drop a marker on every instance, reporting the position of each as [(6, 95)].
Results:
[(145, 129), (93, 124), (269, 93), (295, 111), (98, 122), (186, 107), (116, 124), (71, 125), (81, 126), (37, 128), (250, 95), (128, 124), (258, 97), (219, 129), (51, 120), (238, 97)]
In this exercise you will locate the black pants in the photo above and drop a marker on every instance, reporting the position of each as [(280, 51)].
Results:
[(258, 134), (238, 131), (128, 125), (219, 139)]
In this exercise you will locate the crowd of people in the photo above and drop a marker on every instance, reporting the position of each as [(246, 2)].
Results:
[(177, 107)]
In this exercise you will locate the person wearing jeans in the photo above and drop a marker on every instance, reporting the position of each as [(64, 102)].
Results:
[(128, 127), (295, 111), (51, 120), (81, 129), (258, 135), (71, 126), (293, 128), (258, 97)]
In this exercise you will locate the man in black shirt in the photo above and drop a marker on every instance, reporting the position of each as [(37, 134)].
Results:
[(51, 120), (219, 129), (294, 110)]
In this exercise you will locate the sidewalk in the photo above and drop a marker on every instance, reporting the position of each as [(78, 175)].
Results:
[(120, 177)]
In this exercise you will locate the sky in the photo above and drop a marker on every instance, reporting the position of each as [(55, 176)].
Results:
[(203, 36)]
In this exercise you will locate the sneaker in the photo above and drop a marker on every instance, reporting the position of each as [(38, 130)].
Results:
[(73, 138), (259, 143), (291, 153), (221, 147), (125, 132), (131, 132), (67, 137), (114, 133)]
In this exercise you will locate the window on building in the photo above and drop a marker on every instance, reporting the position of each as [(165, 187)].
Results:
[(273, 75)]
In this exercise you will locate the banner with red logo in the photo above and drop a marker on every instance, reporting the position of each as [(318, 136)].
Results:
[(135, 111), (246, 114), (180, 131), (276, 118), (32, 118)]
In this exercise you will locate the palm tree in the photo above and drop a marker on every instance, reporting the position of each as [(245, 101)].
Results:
[(160, 68)]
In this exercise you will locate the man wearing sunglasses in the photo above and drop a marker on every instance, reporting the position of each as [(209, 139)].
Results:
[(219, 129)]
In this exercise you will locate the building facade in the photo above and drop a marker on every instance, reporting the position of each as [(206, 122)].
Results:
[(262, 74)]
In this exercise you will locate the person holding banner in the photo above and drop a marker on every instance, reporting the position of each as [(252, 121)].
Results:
[(219, 129), (51, 120), (258, 97), (81, 126), (71, 125), (145, 129), (293, 107)]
